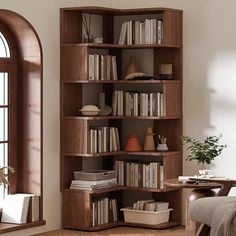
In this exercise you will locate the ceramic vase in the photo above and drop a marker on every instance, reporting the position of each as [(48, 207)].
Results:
[(149, 140), (162, 147), (132, 66), (105, 109)]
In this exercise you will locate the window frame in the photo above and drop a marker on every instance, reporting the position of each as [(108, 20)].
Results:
[(9, 65), (27, 157)]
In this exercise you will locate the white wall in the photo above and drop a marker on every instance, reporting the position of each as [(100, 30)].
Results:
[(44, 16), (209, 61)]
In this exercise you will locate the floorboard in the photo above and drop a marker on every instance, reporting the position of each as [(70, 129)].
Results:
[(119, 231)]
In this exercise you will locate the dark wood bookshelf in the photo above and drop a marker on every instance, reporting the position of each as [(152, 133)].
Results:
[(74, 71)]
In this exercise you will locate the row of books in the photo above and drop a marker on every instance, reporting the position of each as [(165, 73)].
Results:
[(137, 104), (104, 211), (20, 208), (91, 185), (150, 31), (104, 139), (138, 174), (150, 205), (102, 67)]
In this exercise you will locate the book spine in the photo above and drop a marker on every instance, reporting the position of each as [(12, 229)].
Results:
[(159, 31), (123, 34)]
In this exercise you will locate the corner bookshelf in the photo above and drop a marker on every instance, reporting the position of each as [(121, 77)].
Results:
[(78, 90)]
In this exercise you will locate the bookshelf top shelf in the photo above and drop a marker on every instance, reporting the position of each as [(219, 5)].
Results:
[(118, 12), (125, 46)]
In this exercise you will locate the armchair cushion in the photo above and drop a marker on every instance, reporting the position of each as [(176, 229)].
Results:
[(216, 212)]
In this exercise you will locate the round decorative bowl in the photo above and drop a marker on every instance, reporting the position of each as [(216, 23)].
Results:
[(89, 110)]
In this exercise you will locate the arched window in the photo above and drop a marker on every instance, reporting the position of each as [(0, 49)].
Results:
[(4, 47), (21, 109), (8, 60)]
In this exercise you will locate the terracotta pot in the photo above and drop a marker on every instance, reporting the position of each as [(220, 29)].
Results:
[(133, 144)]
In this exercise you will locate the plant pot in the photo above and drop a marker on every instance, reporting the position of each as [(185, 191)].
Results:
[(204, 172)]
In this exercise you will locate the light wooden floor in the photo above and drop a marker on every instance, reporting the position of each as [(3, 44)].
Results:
[(120, 231)]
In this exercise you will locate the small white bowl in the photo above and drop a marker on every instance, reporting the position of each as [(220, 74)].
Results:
[(89, 110)]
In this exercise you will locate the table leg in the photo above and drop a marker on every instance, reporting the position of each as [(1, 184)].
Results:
[(192, 226)]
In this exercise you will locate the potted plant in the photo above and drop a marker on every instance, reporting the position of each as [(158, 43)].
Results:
[(204, 152)]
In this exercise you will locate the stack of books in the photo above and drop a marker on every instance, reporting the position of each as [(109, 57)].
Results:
[(90, 185), (93, 179), (103, 139), (150, 31), (150, 205), (102, 67), (137, 104), (104, 210), (137, 174)]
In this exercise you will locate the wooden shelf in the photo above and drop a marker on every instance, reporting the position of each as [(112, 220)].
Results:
[(122, 117), (97, 191), (159, 226), (135, 46), (122, 223), (120, 12), (151, 190), (144, 153), (119, 188), (122, 81), (103, 226)]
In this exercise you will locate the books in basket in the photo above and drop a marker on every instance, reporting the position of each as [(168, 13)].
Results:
[(90, 185)]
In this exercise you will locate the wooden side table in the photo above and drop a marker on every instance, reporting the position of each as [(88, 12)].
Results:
[(201, 188)]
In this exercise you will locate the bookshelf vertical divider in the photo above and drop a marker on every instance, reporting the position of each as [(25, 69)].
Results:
[(79, 87)]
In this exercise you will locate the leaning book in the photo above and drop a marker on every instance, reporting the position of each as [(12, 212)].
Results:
[(15, 208)]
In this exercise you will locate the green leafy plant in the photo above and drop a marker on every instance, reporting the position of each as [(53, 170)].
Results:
[(204, 152)]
